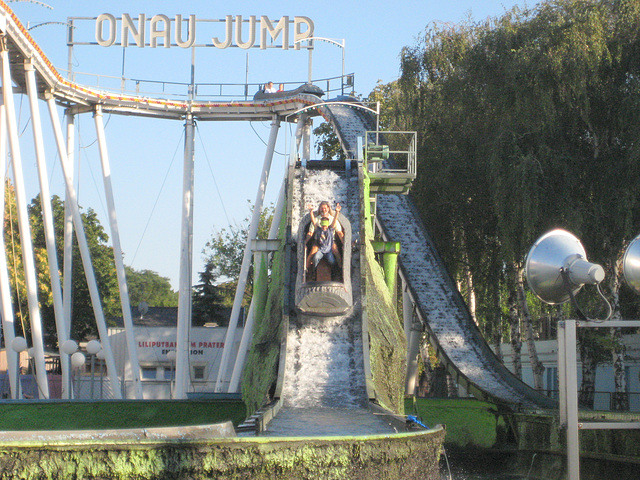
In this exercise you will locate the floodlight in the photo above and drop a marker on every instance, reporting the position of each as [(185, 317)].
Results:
[(631, 264), (557, 267)]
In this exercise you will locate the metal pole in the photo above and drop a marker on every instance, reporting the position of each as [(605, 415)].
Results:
[(246, 259), (47, 214), (31, 281), (85, 254), (573, 442), (117, 253), (184, 302)]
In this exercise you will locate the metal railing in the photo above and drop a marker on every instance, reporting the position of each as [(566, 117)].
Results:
[(332, 86)]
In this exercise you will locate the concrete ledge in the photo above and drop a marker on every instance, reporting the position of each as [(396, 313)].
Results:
[(196, 432)]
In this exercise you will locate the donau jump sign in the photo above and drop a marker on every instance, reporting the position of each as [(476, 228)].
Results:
[(185, 32)]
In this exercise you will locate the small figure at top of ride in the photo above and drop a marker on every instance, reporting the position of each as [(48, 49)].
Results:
[(269, 88)]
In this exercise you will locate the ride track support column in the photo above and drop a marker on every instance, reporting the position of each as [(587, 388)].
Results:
[(31, 281), (246, 258), (247, 333), (48, 221), (8, 327), (85, 253), (390, 252), (184, 302), (118, 256), (67, 275)]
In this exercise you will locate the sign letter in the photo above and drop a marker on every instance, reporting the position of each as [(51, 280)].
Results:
[(160, 32), (137, 34), (229, 24), (282, 26), (191, 33), (111, 39), (252, 32), (299, 35)]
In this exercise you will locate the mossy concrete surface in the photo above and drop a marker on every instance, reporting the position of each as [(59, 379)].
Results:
[(387, 344), (398, 456)]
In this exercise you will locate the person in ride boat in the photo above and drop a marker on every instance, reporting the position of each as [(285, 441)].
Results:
[(323, 244), (324, 210), (269, 88)]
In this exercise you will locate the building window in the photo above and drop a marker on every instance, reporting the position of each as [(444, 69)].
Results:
[(198, 372), (148, 373)]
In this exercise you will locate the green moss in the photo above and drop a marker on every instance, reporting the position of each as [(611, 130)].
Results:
[(261, 369), (387, 341)]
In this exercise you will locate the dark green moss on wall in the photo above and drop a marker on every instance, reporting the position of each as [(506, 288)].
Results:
[(398, 457), (387, 341), (261, 369)]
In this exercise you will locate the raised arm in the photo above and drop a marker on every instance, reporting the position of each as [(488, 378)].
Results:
[(335, 219), (311, 214)]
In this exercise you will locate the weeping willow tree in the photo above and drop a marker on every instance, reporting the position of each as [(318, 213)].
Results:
[(526, 122)]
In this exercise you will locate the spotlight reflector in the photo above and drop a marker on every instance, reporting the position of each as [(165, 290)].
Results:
[(553, 253), (631, 264)]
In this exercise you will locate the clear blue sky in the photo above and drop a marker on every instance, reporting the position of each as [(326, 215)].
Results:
[(146, 154)]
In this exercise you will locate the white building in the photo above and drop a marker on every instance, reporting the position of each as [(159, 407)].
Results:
[(548, 354)]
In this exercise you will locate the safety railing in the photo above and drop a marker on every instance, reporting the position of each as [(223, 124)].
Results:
[(332, 86)]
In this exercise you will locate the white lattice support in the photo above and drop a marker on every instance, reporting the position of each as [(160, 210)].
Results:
[(117, 253), (85, 254), (186, 242), (246, 259), (8, 327), (48, 222), (31, 280)]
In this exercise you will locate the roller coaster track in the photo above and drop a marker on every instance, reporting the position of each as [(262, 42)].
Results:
[(438, 303)]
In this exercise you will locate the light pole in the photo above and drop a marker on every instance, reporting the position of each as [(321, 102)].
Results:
[(77, 360), (68, 347), (18, 345), (93, 347), (100, 356)]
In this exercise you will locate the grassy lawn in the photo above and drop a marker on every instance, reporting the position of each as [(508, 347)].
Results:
[(468, 422), (79, 415)]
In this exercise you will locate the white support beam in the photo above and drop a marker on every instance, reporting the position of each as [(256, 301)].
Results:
[(67, 274), (246, 259), (186, 246), (117, 253), (31, 281), (85, 254), (8, 327), (48, 222)]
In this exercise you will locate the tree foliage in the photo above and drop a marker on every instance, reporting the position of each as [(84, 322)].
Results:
[(150, 287), (82, 314), (526, 123)]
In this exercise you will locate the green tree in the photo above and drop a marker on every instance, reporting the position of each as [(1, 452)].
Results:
[(83, 321), (327, 142), (207, 299), (148, 286), (526, 122)]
